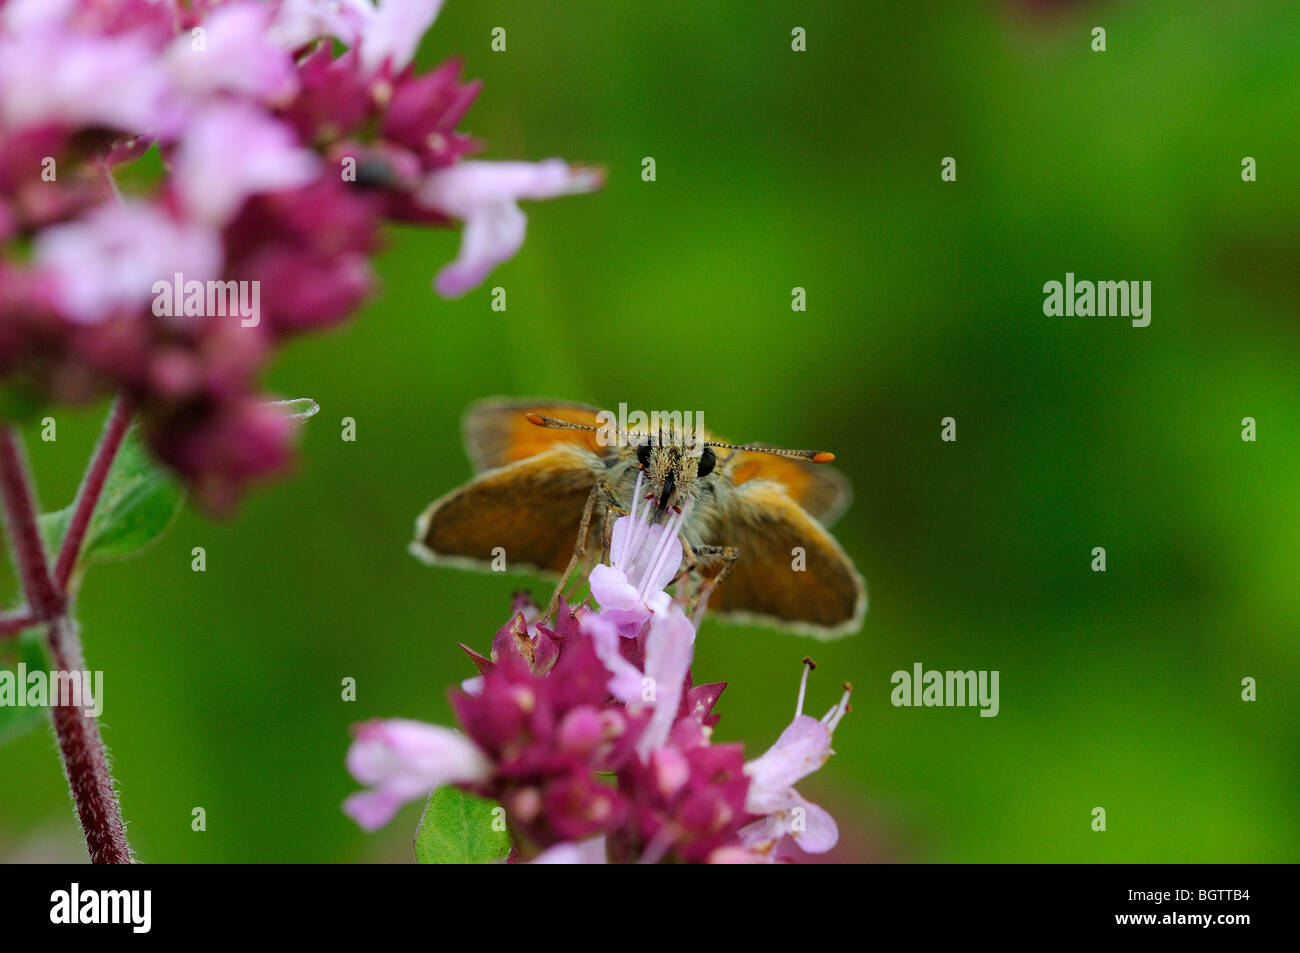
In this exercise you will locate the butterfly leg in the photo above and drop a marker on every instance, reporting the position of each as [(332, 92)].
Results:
[(699, 601), (607, 537), (601, 494)]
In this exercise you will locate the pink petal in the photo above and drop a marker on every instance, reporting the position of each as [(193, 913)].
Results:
[(611, 589), (237, 56), (802, 748), (231, 152), (466, 188), (483, 196), (51, 75), (109, 260), (590, 851), (819, 833), (298, 22), (668, 650), (372, 809), (494, 234), (626, 680), (392, 33), (405, 760)]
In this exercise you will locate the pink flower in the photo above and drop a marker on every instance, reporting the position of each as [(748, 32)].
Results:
[(51, 74), (233, 53), (484, 195), (644, 558), (298, 22), (803, 747), (590, 851), (231, 151), (108, 261), (280, 159), (391, 32), (403, 761), (669, 648)]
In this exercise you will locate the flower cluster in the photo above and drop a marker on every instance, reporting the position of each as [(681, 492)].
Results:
[(183, 186), (594, 738)]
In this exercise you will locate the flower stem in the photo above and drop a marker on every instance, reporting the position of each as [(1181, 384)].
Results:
[(11, 623), (119, 419), (24, 531), (84, 760)]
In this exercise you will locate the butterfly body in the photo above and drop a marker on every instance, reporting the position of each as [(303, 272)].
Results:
[(545, 469)]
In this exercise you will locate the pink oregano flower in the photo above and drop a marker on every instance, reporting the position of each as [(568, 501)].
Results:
[(402, 760), (803, 747), (282, 155), (607, 692)]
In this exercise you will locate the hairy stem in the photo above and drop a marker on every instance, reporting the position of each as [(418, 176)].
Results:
[(92, 484), (11, 623), (84, 760), (45, 599)]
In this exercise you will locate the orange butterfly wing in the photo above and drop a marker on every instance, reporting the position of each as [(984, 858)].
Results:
[(790, 573), (528, 511), (497, 432), (823, 492)]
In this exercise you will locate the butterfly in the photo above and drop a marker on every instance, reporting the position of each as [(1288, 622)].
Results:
[(551, 476)]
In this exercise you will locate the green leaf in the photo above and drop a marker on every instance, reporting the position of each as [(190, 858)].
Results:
[(15, 720), (139, 502), (457, 828)]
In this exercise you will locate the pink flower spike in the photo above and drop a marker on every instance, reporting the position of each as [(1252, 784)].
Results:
[(231, 152), (404, 760), (483, 196)]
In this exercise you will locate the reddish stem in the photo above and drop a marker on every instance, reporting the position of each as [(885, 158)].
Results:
[(11, 623), (24, 531), (92, 484), (84, 760)]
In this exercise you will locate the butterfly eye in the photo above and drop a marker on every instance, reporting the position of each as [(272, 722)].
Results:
[(643, 454), (707, 459)]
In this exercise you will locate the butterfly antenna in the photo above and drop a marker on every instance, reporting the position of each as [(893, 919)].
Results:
[(815, 456), (555, 423)]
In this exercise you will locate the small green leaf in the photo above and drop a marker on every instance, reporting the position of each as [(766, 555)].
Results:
[(457, 828), (139, 502), (15, 719)]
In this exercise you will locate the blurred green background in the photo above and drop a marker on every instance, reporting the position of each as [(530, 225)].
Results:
[(820, 169)]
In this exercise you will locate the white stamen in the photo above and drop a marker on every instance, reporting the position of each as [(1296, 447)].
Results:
[(639, 538), (621, 557), (841, 709), (660, 545), (803, 687), (670, 533)]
